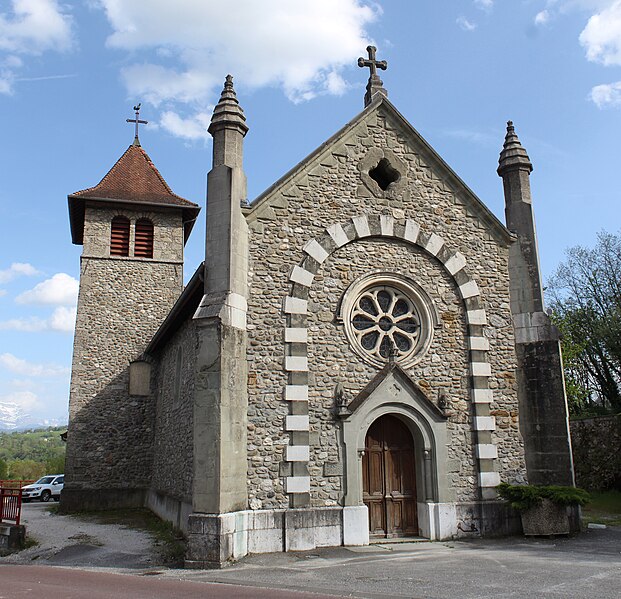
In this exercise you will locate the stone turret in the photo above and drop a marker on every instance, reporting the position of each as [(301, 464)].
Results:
[(515, 168), (226, 253), (221, 401), (541, 387)]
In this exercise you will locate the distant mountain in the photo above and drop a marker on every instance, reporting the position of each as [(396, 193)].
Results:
[(13, 418)]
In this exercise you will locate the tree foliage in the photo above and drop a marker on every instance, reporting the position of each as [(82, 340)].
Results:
[(31, 454), (586, 306), (26, 470)]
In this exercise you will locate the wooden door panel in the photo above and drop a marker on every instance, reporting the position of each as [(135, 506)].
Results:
[(410, 520), (389, 480), (377, 522), (376, 473), (395, 510)]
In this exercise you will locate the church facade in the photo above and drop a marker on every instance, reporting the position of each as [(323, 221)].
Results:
[(363, 354)]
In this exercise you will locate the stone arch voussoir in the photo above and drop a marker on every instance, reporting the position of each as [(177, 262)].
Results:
[(295, 309)]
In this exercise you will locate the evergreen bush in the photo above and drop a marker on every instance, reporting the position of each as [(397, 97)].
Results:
[(524, 497)]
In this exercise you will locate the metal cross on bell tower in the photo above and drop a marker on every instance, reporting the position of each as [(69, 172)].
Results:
[(137, 121), (375, 85)]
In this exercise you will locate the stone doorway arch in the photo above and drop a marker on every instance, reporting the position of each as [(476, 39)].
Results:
[(393, 393)]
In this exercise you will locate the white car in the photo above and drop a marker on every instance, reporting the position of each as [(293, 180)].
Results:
[(46, 488)]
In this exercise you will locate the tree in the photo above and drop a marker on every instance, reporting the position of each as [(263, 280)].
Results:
[(26, 470), (4, 470), (586, 306), (55, 464)]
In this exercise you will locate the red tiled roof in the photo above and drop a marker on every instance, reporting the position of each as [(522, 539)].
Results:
[(134, 178)]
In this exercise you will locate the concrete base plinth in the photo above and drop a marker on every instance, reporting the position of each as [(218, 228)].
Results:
[(12, 536), (172, 509), (216, 540)]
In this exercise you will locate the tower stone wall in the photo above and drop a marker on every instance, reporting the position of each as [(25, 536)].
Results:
[(122, 301)]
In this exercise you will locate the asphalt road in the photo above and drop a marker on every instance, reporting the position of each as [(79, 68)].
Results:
[(62, 583), (85, 559), (584, 567)]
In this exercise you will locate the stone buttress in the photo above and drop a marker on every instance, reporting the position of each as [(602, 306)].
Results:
[(541, 387), (220, 400)]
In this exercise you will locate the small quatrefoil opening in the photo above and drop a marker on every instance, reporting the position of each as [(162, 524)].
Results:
[(384, 174)]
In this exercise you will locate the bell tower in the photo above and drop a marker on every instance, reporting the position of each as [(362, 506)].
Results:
[(133, 229)]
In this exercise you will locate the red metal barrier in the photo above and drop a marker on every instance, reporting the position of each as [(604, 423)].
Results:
[(10, 505)]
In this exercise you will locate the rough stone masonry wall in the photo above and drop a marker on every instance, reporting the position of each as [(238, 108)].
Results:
[(442, 370), (174, 418), (332, 191), (122, 302), (595, 445)]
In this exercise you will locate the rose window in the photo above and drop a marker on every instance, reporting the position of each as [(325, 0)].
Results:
[(383, 318)]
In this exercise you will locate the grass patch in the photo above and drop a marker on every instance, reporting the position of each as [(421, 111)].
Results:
[(604, 508), (170, 543), (29, 542)]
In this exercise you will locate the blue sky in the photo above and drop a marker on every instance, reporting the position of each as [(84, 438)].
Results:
[(70, 73)]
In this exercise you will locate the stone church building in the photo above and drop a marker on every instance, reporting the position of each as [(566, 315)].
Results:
[(364, 352)]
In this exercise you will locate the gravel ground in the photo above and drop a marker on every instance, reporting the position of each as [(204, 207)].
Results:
[(587, 566), (75, 541)]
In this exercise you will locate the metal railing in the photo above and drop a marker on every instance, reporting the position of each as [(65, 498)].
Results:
[(10, 506), (15, 484)]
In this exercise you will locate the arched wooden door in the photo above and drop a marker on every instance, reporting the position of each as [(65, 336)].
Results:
[(389, 479)]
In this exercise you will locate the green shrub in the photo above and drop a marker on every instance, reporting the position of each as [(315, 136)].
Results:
[(523, 497)]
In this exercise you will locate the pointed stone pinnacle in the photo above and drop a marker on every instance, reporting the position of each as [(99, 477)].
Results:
[(513, 155), (228, 114)]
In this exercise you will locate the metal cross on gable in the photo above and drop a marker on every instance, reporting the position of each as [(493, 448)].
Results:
[(371, 62), (137, 121)]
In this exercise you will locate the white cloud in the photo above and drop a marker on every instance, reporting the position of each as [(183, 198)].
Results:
[(543, 17), (606, 95), (34, 26), (601, 37), (62, 320), (25, 325), (476, 137), (61, 289), (485, 5), (24, 400), (194, 127), (182, 50), (17, 269), (24, 368), (3, 292), (31, 27), (465, 24), (335, 84)]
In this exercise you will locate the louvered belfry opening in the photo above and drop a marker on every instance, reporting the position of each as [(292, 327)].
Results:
[(144, 239), (119, 236)]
